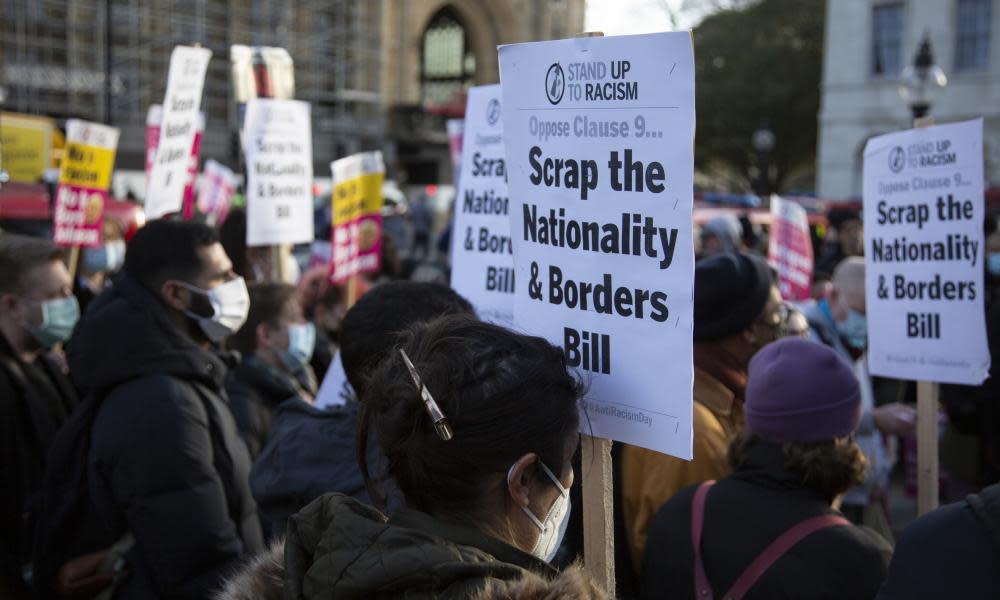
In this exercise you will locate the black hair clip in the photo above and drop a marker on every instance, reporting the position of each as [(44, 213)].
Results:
[(441, 425)]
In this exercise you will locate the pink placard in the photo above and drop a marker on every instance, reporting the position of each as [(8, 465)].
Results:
[(79, 214), (356, 247), (790, 249)]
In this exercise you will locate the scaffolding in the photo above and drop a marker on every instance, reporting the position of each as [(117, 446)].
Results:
[(106, 60)]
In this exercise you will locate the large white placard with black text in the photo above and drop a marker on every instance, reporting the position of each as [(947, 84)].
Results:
[(482, 261), (277, 138), (924, 253), (599, 136), (178, 127)]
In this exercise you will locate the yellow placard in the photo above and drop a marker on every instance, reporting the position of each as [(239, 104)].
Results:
[(356, 197), (86, 166), (25, 146)]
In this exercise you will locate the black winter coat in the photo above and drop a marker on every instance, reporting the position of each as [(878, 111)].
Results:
[(35, 400), (255, 390), (743, 514), (166, 461), (952, 552)]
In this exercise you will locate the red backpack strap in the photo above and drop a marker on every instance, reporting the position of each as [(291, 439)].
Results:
[(702, 587), (777, 549)]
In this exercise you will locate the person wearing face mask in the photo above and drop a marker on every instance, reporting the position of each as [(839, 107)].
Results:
[(839, 321), (771, 529), (737, 311), (97, 265), (164, 463), (37, 312), (276, 343), (478, 426)]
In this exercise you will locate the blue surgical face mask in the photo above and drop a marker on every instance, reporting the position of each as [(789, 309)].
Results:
[(993, 263), (59, 317), (854, 329), (105, 259), (301, 341)]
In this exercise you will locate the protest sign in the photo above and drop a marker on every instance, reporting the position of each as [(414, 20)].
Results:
[(455, 137), (153, 118), (178, 128), (357, 215), (482, 261), (278, 149), (790, 250), (25, 146), (335, 389), (598, 135), (924, 253), (215, 196), (83, 183)]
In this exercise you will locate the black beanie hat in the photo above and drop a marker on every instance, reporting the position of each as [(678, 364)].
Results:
[(730, 292)]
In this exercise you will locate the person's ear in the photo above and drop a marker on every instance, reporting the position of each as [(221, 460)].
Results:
[(519, 479), (262, 335), (175, 296), (9, 303)]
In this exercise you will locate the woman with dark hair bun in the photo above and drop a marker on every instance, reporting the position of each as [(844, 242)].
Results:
[(478, 427)]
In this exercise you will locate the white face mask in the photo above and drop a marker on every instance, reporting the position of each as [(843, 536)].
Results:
[(553, 526), (230, 306)]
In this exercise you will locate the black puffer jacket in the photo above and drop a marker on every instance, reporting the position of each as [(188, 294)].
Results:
[(744, 513), (166, 462)]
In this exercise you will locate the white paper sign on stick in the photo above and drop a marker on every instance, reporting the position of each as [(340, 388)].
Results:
[(599, 136), (179, 124), (924, 253), (278, 149), (482, 260)]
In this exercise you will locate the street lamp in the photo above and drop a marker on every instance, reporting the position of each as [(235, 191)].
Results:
[(763, 142), (920, 82)]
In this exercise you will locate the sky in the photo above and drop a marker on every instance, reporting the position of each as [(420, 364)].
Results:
[(621, 17)]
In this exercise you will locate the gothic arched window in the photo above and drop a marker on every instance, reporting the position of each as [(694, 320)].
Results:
[(447, 63)]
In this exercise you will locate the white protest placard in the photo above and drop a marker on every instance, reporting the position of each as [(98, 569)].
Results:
[(924, 253), (178, 127), (482, 260), (335, 389), (278, 148), (599, 136)]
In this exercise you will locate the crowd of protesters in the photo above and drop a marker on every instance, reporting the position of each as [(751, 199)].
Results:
[(161, 438)]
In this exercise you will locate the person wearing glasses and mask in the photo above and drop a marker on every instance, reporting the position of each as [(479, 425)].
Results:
[(166, 463), (478, 426), (37, 312), (276, 343), (737, 311)]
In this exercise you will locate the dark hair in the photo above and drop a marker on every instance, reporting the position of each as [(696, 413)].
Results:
[(233, 237), (21, 253), (504, 395), (837, 217), (829, 468), (266, 303), (167, 249), (370, 327)]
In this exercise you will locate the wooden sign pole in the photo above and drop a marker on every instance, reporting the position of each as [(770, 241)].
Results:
[(927, 425), (598, 511), (72, 262)]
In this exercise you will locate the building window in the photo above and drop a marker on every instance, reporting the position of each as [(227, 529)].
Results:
[(887, 39), (972, 39), (448, 65)]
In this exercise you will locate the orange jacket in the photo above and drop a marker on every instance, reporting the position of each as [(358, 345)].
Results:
[(649, 478)]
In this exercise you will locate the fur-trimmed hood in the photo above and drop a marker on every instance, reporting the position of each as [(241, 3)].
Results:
[(340, 548)]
